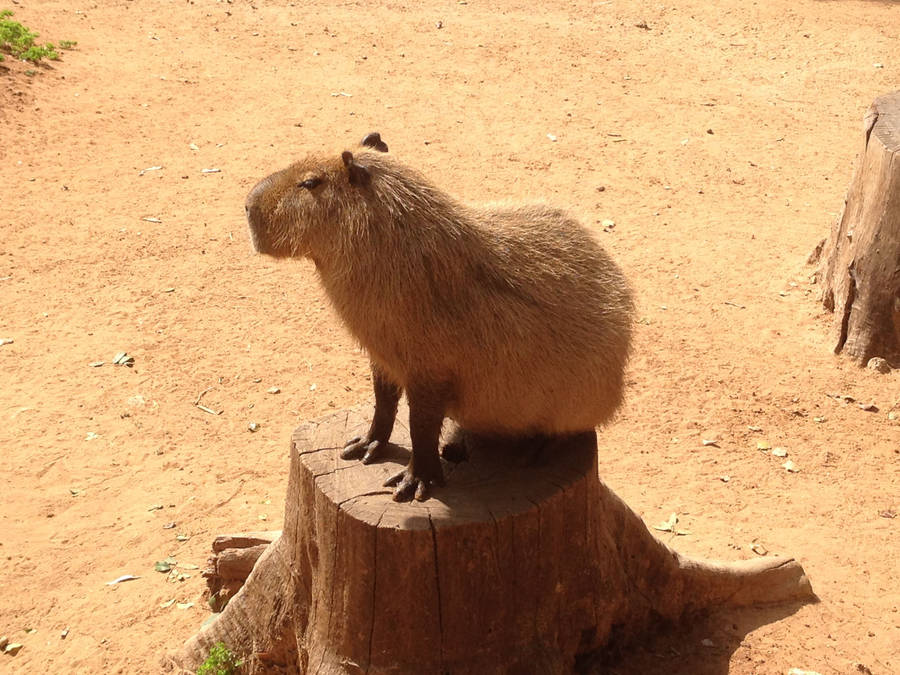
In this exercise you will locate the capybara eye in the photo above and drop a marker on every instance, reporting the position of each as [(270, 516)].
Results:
[(309, 183)]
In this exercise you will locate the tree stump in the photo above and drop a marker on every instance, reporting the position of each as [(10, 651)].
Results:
[(860, 262), (514, 567)]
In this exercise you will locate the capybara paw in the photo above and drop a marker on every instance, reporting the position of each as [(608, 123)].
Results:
[(408, 484), (361, 447)]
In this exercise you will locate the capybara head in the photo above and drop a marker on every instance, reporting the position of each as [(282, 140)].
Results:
[(292, 212)]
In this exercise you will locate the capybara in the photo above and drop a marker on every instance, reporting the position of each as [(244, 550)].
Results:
[(508, 318)]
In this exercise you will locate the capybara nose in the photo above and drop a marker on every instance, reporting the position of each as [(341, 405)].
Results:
[(252, 206), (255, 218), (254, 214)]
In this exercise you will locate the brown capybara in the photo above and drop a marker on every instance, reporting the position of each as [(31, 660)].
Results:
[(509, 319)]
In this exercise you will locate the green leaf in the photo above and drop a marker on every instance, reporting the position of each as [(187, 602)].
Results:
[(165, 565), (669, 525)]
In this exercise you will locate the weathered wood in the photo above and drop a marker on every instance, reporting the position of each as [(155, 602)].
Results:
[(237, 563), (243, 540), (860, 262), (514, 567), (234, 556)]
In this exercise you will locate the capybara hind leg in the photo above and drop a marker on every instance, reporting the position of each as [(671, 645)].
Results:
[(387, 396), (427, 407), (456, 449), (541, 449)]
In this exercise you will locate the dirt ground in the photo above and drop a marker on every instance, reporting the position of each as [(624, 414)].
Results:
[(719, 138)]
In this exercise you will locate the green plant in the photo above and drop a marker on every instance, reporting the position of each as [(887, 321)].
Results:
[(221, 661), (20, 42)]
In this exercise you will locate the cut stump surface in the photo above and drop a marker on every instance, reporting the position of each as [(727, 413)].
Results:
[(514, 567)]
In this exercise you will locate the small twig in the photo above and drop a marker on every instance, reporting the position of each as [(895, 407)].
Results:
[(233, 495), (734, 304), (209, 410), (203, 407), (200, 395), (49, 465)]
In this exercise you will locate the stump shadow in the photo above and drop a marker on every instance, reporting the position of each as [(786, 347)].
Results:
[(503, 477), (701, 644)]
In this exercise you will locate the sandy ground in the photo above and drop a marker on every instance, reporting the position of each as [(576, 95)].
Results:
[(720, 139)]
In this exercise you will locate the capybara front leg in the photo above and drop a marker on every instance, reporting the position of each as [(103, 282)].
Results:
[(387, 396), (427, 407)]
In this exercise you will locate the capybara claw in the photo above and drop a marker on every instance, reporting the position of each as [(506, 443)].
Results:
[(361, 448), (408, 484), (406, 487), (371, 452), (353, 448)]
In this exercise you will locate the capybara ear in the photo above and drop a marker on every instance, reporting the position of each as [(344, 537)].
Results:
[(357, 173), (373, 140)]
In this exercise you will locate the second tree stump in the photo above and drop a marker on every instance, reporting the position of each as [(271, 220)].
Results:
[(860, 262)]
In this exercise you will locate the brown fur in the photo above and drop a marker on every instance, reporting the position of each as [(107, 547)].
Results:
[(510, 319), (516, 306)]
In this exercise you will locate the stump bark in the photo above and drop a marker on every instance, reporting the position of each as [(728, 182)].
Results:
[(514, 567), (860, 262)]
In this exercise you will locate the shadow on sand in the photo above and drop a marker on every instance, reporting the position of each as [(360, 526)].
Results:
[(699, 645)]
